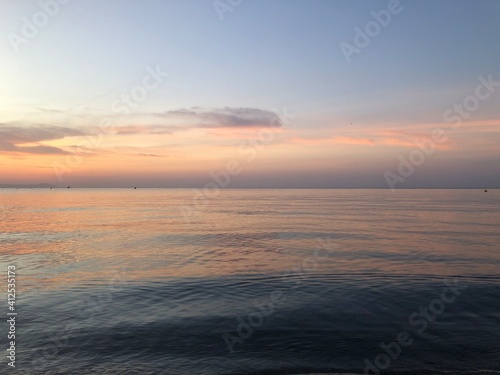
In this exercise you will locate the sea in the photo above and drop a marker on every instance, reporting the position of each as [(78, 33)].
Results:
[(247, 282)]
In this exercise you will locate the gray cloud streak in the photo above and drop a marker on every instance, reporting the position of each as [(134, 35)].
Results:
[(12, 138), (226, 117)]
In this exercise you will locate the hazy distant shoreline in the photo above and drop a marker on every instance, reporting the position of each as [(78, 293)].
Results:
[(49, 186), (16, 186)]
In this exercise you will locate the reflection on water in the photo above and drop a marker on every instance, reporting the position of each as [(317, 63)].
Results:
[(139, 290)]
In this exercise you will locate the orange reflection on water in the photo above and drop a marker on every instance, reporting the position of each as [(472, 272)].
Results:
[(76, 237)]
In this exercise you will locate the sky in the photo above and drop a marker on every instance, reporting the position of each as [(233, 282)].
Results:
[(250, 93)]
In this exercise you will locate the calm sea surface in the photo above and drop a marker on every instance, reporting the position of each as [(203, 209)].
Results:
[(145, 281)]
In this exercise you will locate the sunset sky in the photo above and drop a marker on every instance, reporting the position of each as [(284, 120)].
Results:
[(167, 93)]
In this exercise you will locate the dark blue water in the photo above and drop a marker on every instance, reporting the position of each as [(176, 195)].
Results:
[(256, 282)]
